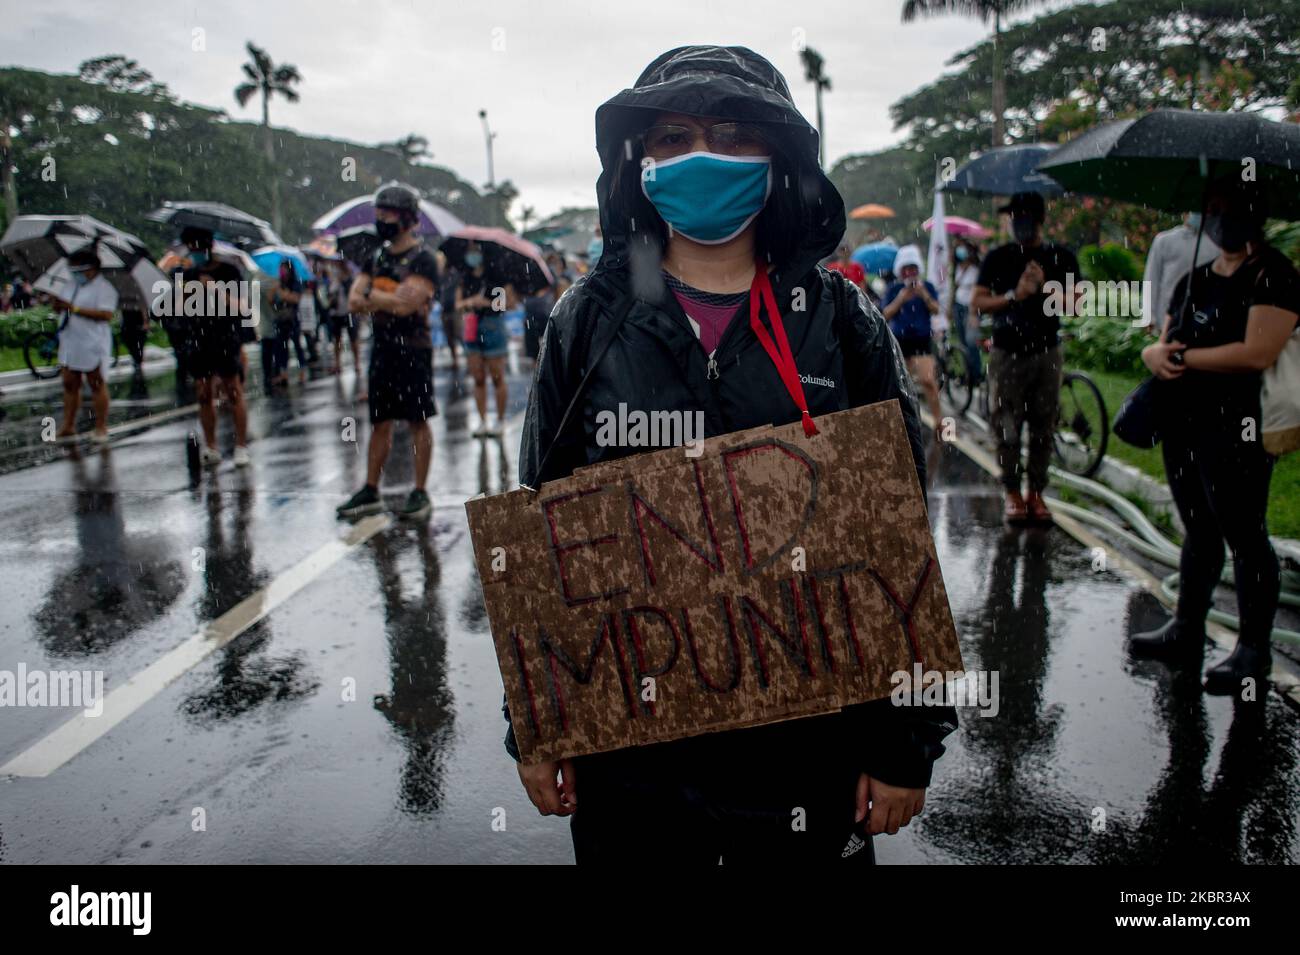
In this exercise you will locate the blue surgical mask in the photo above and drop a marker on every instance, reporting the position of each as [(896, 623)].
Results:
[(1193, 221), (594, 249), (473, 259), (198, 258), (707, 197), (961, 253), (81, 278)]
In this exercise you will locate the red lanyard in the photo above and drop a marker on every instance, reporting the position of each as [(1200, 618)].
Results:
[(760, 293)]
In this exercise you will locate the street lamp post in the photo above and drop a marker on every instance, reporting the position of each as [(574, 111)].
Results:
[(488, 135)]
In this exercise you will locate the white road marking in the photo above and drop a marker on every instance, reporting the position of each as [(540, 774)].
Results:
[(52, 751)]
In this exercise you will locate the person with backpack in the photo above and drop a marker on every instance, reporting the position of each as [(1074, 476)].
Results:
[(908, 305), (396, 290), (709, 258), (1218, 338)]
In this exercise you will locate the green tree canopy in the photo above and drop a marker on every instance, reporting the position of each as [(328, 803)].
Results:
[(119, 152)]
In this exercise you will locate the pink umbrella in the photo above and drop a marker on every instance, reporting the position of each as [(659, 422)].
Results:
[(956, 225), (506, 256)]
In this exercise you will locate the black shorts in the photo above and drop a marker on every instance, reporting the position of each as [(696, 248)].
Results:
[(401, 384), (216, 352), (339, 325), (914, 345)]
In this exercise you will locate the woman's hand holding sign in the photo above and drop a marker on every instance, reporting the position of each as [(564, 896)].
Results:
[(891, 807), (551, 786)]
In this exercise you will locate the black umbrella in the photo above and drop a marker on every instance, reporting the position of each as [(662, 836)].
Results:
[(508, 259), (1006, 171), (39, 246), (224, 221), (358, 244), (1166, 158)]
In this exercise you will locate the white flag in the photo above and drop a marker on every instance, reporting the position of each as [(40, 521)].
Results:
[(936, 263)]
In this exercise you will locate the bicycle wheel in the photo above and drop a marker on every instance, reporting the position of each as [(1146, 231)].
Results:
[(957, 383), (41, 352), (1082, 426)]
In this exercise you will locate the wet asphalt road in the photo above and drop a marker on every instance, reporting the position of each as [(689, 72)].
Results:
[(111, 558)]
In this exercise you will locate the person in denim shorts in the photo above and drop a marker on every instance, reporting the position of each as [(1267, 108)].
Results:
[(482, 303)]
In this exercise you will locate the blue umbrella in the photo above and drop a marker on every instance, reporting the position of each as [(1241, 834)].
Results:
[(268, 259), (875, 257), (1006, 171)]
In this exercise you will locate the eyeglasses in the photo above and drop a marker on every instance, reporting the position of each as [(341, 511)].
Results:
[(729, 139)]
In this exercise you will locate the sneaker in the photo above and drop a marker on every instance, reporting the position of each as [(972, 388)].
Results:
[(100, 437), (497, 430), (482, 431), (417, 506), (242, 457), (365, 501), (210, 457)]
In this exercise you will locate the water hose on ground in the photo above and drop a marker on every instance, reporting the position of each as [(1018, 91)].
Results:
[(1166, 554)]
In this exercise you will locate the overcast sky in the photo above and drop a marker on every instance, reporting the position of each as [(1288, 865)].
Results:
[(374, 70)]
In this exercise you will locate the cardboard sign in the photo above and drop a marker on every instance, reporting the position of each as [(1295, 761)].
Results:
[(770, 576)]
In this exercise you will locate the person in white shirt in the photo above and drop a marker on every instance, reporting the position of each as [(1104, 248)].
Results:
[(966, 321), (1168, 261), (86, 342)]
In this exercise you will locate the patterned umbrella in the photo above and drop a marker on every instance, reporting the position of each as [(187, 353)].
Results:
[(39, 246)]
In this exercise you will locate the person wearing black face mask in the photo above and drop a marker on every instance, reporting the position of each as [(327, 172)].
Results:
[(396, 289), (1218, 339), (1025, 362)]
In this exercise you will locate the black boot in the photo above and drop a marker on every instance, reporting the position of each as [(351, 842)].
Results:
[(1253, 660), (1177, 638)]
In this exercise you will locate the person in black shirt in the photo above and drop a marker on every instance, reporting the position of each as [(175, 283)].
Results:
[(396, 288), (1025, 361), (215, 343), (288, 328), (1242, 308)]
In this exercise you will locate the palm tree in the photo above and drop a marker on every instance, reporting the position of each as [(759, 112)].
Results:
[(408, 149), (813, 72), (983, 10), (267, 78), (526, 215)]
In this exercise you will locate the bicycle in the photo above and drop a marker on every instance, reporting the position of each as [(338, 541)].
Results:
[(41, 349), (1082, 430)]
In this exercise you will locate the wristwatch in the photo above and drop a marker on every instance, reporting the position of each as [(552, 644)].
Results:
[(1010, 295), (1176, 358)]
